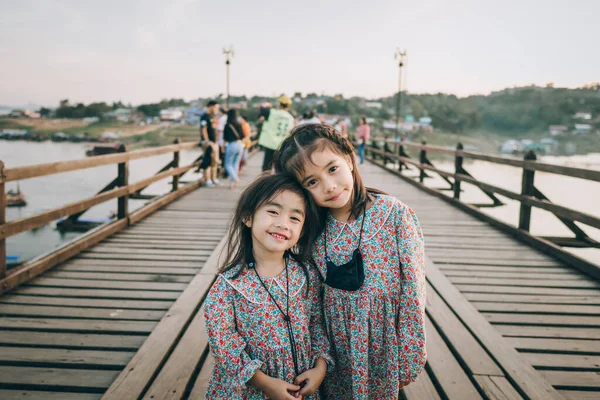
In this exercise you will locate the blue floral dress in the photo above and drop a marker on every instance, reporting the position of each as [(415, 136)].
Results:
[(377, 332), (247, 332)]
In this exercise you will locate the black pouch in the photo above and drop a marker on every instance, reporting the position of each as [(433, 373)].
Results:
[(349, 276)]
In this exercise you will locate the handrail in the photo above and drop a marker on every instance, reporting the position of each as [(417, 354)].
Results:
[(529, 197), (581, 173), (34, 171), (120, 189)]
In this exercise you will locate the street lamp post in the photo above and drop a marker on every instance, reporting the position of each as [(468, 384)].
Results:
[(228, 56), (399, 55)]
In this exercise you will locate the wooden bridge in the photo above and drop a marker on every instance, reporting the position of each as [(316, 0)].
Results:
[(117, 313)]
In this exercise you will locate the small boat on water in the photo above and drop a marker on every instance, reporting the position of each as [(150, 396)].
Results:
[(103, 149), (15, 198)]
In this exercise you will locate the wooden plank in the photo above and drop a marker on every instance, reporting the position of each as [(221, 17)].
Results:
[(132, 381), (192, 245), (98, 293), (78, 325), (58, 378), (67, 340), (86, 303), (473, 356), (564, 283), (543, 319), (508, 269), (579, 395), (141, 257), (576, 379), (575, 309), (120, 277), (176, 374), (175, 271), (541, 299), (563, 361), (40, 265), (446, 370), (107, 249), (25, 224), (19, 310), (549, 331), (140, 263), (497, 387), (525, 290), (523, 375), (98, 284), (498, 262), (33, 171), (421, 389), (7, 394), (65, 358), (555, 345), (201, 385), (450, 273)]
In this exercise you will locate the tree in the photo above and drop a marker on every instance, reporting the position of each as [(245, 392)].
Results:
[(44, 112)]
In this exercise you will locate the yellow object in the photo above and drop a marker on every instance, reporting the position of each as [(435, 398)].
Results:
[(283, 99)]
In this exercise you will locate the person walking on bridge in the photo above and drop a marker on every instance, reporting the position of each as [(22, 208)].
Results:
[(275, 128), (208, 141)]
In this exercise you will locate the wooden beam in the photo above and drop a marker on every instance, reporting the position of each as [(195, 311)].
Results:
[(37, 266), (538, 243), (33, 171), (137, 377), (25, 224), (2, 222)]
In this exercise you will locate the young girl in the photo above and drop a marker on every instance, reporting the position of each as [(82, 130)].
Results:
[(371, 252), (264, 312)]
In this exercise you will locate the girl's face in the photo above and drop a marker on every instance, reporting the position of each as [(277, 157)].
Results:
[(329, 179), (277, 225)]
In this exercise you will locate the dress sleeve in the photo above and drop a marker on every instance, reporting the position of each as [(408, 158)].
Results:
[(318, 335), (411, 326), (226, 344)]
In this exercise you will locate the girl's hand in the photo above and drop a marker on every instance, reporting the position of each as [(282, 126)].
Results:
[(277, 389), (311, 379)]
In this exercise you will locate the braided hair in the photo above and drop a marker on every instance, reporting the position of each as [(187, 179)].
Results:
[(297, 149)]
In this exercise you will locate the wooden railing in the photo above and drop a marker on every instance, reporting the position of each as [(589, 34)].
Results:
[(120, 188), (393, 156)]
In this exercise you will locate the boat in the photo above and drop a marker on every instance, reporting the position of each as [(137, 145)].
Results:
[(103, 149), (15, 198)]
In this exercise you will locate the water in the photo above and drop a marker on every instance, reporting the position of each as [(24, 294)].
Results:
[(48, 192), (578, 194)]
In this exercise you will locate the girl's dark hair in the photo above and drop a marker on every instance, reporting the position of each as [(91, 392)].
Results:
[(297, 149), (232, 118), (259, 192), (363, 119)]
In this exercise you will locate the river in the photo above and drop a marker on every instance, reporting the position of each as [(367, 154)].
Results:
[(56, 190), (47, 192)]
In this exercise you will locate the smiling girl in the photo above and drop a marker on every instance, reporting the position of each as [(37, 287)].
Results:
[(371, 253), (264, 313)]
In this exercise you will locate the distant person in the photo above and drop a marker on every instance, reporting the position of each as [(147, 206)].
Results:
[(232, 135), (364, 133), (208, 141), (275, 128), (343, 128)]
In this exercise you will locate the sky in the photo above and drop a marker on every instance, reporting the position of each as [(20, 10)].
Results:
[(141, 51)]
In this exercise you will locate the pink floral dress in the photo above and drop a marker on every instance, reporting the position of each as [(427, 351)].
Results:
[(247, 332), (377, 332)]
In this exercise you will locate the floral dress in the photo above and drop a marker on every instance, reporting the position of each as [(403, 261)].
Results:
[(247, 332), (377, 332)]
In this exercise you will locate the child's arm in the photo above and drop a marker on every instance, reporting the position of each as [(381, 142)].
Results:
[(226, 344), (411, 326)]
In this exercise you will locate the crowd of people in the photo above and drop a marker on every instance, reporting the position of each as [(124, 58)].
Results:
[(225, 136)]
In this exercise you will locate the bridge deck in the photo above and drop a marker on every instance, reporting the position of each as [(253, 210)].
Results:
[(125, 317)]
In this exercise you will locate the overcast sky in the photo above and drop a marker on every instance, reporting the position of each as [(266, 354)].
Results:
[(144, 50)]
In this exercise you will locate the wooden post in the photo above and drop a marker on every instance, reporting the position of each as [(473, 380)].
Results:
[(399, 152), (176, 165), (527, 189), (123, 180), (458, 168), (2, 221), (422, 160)]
